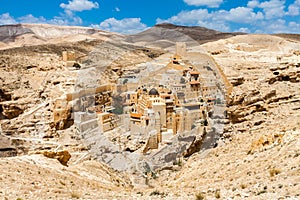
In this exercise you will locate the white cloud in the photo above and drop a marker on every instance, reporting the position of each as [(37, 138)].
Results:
[(66, 19), (243, 30), (242, 15), (273, 8), (294, 9), (279, 26), (63, 19), (31, 19), (218, 20), (266, 17), (294, 27), (126, 25), (7, 19), (79, 5), (188, 17), (253, 4), (198, 17), (117, 9), (216, 25), (208, 3)]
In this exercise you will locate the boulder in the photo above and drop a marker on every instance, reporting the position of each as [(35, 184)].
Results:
[(11, 111), (62, 156), (236, 81), (6, 149)]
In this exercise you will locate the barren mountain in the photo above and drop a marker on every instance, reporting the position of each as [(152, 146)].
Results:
[(165, 35), (31, 34), (256, 156), (290, 36)]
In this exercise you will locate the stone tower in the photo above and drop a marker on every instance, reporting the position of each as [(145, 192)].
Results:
[(69, 58), (158, 126)]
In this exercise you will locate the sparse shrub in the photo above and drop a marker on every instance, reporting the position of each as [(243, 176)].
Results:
[(75, 195), (153, 175), (178, 162), (274, 172), (156, 192), (261, 192), (243, 186), (125, 81), (218, 194), (61, 182), (200, 196), (76, 65)]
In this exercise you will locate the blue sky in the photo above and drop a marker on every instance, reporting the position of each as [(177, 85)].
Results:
[(131, 16)]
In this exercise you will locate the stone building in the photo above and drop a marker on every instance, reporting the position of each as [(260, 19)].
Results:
[(158, 109), (69, 58), (107, 121), (209, 90)]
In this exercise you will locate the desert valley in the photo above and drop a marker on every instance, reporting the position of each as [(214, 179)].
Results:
[(173, 112)]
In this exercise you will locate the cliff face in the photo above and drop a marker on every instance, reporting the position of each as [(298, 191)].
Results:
[(257, 156)]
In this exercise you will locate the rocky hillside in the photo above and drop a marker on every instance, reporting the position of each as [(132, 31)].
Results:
[(259, 158), (290, 36), (20, 35), (165, 35), (33, 77), (256, 158)]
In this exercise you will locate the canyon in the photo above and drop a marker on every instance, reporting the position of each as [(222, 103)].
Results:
[(50, 146)]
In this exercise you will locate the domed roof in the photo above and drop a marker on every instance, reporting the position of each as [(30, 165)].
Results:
[(153, 91)]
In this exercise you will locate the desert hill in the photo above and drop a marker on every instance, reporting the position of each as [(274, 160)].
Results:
[(290, 36), (35, 34), (256, 157), (167, 34)]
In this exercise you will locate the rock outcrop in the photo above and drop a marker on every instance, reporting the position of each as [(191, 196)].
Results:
[(62, 156), (47, 111)]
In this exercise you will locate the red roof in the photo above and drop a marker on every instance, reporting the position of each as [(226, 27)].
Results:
[(136, 115)]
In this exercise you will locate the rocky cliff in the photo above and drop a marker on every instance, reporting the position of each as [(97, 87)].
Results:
[(257, 156)]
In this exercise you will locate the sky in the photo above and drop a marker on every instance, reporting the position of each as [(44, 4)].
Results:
[(132, 16)]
